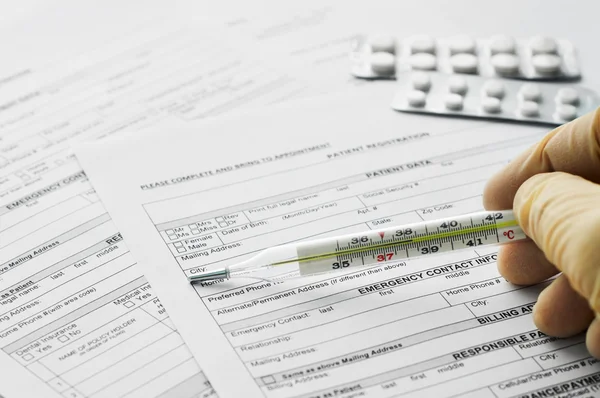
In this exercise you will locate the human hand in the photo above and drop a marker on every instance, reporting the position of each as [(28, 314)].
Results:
[(553, 190)]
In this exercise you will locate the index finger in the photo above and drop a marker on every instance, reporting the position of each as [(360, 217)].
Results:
[(572, 148)]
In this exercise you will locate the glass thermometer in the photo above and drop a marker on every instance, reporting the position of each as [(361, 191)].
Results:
[(371, 247)]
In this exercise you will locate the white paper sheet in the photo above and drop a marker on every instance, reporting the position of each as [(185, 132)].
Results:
[(439, 326), (77, 318)]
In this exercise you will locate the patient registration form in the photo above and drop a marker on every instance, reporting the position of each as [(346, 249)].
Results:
[(437, 326)]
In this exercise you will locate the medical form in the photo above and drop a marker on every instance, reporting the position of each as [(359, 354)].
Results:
[(439, 326), (77, 317)]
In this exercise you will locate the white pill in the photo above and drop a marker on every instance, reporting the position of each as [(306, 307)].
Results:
[(422, 61), (464, 63), (457, 85), (568, 96), (530, 108), (502, 44), (381, 42), (383, 63), (462, 44), (422, 44), (531, 92), (416, 98), (454, 101), (491, 104), (494, 88), (543, 45), (505, 64), (421, 81), (566, 112), (546, 63)]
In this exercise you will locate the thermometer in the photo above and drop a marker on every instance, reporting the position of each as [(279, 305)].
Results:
[(372, 247)]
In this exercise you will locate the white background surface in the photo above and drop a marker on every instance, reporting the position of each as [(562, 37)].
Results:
[(67, 27), (34, 33)]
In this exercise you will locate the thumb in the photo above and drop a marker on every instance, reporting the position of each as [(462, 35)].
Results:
[(560, 212)]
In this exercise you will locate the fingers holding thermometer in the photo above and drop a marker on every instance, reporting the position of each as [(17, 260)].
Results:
[(560, 213), (554, 192)]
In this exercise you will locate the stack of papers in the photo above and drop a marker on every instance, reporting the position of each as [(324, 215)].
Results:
[(185, 144)]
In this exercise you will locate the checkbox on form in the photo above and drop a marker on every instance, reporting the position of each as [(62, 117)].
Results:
[(268, 379)]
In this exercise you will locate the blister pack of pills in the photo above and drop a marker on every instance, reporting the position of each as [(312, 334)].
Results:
[(492, 98), (537, 58)]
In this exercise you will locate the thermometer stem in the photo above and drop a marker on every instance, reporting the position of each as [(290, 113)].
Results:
[(378, 246)]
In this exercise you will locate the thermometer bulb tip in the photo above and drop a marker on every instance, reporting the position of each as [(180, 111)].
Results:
[(217, 274)]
